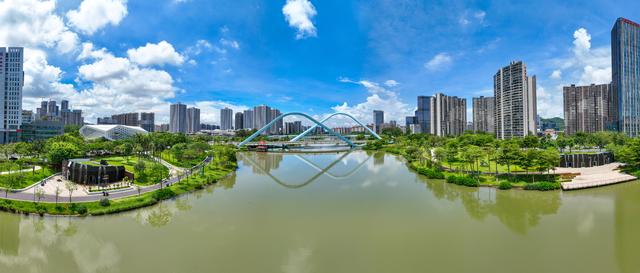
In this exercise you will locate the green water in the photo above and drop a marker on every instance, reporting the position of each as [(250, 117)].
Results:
[(357, 212)]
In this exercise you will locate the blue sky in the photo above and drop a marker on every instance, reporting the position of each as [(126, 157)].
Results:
[(111, 56)]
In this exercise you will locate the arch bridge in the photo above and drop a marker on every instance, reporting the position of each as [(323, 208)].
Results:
[(312, 128)]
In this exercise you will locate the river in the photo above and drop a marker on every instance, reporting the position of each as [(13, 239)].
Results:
[(339, 212)]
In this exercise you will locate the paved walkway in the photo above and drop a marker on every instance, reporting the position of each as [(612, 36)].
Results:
[(80, 195), (594, 176), (21, 171), (173, 170)]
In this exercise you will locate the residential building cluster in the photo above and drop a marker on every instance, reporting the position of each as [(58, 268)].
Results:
[(439, 114), (184, 120), (512, 111), (250, 119), (144, 120)]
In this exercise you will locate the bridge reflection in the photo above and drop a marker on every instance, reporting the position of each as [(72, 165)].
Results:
[(271, 161)]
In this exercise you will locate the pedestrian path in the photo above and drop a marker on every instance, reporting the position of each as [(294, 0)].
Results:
[(21, 171), (79, 195), (594, 176)]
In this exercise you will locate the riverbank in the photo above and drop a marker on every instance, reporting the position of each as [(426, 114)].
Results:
[(210, 174)]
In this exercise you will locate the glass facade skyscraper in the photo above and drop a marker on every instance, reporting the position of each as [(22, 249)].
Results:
[(423, 114), (625, 64)]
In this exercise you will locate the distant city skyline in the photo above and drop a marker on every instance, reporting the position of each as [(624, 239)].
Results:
[(391, 55)]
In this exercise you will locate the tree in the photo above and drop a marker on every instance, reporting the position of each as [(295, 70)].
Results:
[(38, 193), (60, 151), (439, 155), (530, 141), (600, 139), (527, 159), (392, 131), (57, 192), (562, 143), (71, 187), (630, 153), (548, 159), (508, 154), (140, 167), (470, 155), (10, 184)]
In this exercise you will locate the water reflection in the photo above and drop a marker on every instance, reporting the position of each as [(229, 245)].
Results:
[(517, 210), (9, 236), (31, 244), (260, 164), (627, 229)]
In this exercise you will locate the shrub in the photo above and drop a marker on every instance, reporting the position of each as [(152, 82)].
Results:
[(529, 178), (105, 202), (542, 186), (430, 173), (463, 181), (163, 194), (81, 209), (504, 185)]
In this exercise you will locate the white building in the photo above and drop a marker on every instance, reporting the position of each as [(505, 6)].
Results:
[(11, 83), (193, 120), (178, 118), (448, 115), (247, 119), (226, 119), (515, 101), (110, 132)]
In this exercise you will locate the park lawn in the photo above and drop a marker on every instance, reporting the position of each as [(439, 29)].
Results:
[(26, 179), (167, 156), (212, 175), (486, 169), (154, 172)]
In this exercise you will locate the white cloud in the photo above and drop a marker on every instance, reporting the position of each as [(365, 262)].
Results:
[(230, 43), (379, 98), (299, 13), (42, 80), (469, 17), (391, 83), (440, 61), (33, 24), (479, 15), (93, 15), (464, 21), (155, 54), (117, 85), (585, 65)]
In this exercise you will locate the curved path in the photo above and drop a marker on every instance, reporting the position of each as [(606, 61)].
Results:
[(25, 196), (21, 171)]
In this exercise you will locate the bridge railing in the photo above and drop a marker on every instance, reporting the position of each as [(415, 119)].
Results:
[(316, 125)]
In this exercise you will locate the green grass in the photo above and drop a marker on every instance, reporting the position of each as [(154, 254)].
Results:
[(167, 156), (153, 173), (491, 168), (212, 174), (26, 179)]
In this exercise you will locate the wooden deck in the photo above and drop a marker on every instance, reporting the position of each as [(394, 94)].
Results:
[(595, 176)]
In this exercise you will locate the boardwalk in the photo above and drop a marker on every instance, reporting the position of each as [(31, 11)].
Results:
[(594, 176)]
